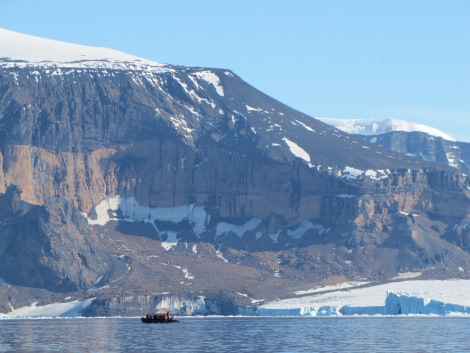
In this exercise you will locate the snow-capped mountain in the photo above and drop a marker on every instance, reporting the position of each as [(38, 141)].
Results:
[(368, 127), (190, 176), (411, 139)]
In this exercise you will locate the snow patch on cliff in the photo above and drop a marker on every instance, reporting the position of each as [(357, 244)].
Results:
[(353, 173), (297, 150), (131, 211), (171, 241), (305, 126), (238, 230), (211, 78), (253, 109), (127, 209), (304, 227)]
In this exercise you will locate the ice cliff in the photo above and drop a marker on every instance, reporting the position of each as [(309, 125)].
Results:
[(395, 304), (431, 297), (409, 297), (399, 303)]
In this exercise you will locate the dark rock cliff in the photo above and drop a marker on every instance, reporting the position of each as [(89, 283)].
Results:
[(48, 246), (423, 146)]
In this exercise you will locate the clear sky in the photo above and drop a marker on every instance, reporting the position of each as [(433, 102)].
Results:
[(401, 59)]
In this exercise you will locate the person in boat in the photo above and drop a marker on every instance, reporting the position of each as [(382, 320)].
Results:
[(148, 316), (168, 315)]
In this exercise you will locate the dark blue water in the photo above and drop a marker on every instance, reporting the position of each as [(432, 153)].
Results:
[(386, 334)]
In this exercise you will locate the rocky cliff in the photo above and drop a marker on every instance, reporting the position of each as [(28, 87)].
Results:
[(147, 181), (411, 139), (426, 147)]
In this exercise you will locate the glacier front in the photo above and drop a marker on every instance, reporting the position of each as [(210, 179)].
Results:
[(408, 297), (404, 297)]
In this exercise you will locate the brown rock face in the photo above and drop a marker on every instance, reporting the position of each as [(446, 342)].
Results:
[(42, 173)]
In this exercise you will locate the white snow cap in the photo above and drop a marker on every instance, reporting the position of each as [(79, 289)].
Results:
[(382, 126), (22, 47)]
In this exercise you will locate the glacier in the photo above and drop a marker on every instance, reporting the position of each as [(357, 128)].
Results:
[(402, 297), (395, 304)]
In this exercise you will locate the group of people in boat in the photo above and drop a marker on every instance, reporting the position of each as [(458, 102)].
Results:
[(158, 316)]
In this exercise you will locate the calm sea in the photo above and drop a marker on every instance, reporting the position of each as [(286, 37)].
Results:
[(386, 334)]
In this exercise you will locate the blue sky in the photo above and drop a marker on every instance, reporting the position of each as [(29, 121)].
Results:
[(402, 59)]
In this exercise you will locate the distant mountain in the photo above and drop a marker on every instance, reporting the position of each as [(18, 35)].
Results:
[(140, 185), (373, 127), (411, 139)]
